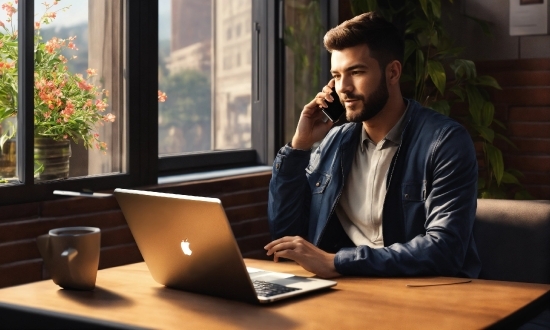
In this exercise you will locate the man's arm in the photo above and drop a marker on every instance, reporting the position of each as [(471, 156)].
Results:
[(450, 212), (288, 203), (289, 193)]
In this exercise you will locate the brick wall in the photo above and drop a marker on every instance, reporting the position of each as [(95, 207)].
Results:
[(243, 197), (524, 105)]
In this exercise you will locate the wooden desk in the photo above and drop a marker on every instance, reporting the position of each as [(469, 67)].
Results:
[(128, 296)]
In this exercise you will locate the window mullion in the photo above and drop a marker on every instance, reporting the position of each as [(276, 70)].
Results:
[(25, 113)]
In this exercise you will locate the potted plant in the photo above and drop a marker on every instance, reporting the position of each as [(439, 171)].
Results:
[(66, 105)]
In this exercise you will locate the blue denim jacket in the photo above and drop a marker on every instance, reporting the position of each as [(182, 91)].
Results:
[(429, 208)]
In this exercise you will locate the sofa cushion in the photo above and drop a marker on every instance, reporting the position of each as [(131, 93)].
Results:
[(513, 239)]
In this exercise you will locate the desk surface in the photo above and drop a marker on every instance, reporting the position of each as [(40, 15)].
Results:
[(129, 295)]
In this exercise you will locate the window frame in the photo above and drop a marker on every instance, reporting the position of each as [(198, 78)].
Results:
[(144, 165), (266, 99)]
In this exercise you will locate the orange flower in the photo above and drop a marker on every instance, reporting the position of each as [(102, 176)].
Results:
[(10, 9), (162, 96), (109, 117), (101, 106)]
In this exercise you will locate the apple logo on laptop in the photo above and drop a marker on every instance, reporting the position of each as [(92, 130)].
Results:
[(185, 247)]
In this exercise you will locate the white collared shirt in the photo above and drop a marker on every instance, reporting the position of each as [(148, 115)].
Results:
[(362, 201)]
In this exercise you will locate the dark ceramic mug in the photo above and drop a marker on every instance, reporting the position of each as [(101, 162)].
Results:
[(71, 255)]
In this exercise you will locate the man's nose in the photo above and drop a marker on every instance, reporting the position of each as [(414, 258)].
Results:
[(344, 86)]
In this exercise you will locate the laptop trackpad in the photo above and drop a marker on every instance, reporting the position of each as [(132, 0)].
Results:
[(291, 280)]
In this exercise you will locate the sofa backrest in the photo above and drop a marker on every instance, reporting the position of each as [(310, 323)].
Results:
[(513, 239)]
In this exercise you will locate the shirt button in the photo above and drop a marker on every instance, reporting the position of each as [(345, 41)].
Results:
[(277, 165)]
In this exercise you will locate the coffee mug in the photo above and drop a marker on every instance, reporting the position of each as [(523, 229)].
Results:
[(71, 255)]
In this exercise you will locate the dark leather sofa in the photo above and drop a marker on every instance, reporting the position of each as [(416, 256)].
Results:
[(513, 241)]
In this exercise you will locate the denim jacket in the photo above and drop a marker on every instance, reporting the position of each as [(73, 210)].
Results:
[(429, 208)]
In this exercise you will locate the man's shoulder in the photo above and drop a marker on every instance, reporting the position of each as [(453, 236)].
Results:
[(424, 117), (340, 133)]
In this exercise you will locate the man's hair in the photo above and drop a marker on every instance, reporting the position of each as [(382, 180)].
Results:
[(384, 40)]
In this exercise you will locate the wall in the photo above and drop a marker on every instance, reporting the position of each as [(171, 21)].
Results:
[(523, 105), (500, 45), (243, 197), (521, 65)]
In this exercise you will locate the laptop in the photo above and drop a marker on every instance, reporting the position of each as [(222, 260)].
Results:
[(187, 244)]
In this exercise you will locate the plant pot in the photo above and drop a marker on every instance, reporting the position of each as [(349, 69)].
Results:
[(51, 159), (8, 159)]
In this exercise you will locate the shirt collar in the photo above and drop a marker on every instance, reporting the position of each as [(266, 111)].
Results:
[(394, 135)]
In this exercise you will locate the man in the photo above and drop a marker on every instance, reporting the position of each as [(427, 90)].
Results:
[(392, 192)]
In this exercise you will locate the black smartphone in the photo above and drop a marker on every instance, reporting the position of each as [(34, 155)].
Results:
[(335, 109)]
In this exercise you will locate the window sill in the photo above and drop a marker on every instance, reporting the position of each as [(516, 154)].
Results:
[(212, 174)]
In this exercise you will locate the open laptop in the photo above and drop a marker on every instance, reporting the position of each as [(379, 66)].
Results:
[(187, 244)]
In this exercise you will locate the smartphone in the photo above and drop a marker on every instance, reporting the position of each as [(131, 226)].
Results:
[(335, 109)]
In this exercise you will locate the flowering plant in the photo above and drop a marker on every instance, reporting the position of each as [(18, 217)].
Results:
[(66, 105)]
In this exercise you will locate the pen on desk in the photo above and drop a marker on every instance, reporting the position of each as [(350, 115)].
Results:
[(437, 284)]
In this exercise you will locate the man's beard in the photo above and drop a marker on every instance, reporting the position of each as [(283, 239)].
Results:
[(374, 104)]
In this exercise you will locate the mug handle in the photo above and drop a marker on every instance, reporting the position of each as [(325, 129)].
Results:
[(69, 254)]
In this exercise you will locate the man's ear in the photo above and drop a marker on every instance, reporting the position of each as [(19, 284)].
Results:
[(393, 72)]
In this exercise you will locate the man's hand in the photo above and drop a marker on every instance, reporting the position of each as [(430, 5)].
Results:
[(313, 124), (305, 254)]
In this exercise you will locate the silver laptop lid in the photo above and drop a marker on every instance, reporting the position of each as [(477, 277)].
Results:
[(170, 233)]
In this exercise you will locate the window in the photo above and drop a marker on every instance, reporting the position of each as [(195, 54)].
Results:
[(209, 92), (209, 112), (230, 117)]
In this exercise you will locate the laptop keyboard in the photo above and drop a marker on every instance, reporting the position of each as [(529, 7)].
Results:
[(268, 289)]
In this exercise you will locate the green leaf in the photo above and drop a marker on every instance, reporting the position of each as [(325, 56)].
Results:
[(487, 114), (464, 69), (436, 8), (372, 5), (487, 81), (442, 107), (483, 24), (499, 123), (419, 67), (515, 173), (410, 48), (475, 101), (458, 91), (424, 5), (486, 133), (494, 155), (437, 74), (509, 178), (417, 26), (507, 140)]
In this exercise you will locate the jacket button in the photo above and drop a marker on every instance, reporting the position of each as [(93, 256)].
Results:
[(317, 184), (277, 165), (406, 196)]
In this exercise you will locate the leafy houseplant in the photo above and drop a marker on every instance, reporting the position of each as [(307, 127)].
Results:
[(437, 77), (66, 105)]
